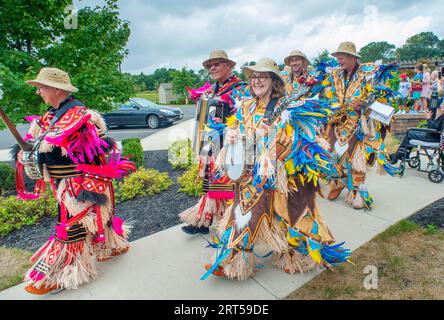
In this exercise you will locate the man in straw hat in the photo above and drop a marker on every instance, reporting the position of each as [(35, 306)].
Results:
[(72, 148), (220, 105), (356, 139), (297, 72)]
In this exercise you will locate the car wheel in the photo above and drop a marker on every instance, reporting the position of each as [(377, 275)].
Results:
[(153, 122)]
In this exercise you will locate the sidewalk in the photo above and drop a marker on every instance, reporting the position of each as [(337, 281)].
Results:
[(169, 264)]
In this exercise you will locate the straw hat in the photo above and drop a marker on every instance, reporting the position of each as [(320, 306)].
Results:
[(53, 77), (347, 47), (218, 54), (295, 53), (263, 65)]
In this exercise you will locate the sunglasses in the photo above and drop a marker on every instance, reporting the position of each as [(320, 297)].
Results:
[(214, 64)]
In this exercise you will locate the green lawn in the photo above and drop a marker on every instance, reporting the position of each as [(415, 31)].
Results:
[(152, 96)]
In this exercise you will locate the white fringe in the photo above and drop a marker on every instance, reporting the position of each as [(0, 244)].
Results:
[(364, 125), (222, 224), (274, 235), (97, 120), (220, 161), (45, 147), (293, 262), (241, 266), (324, 144), (34, 129), (350, 197), (80, 269), (358, 161), (190, 216), (358, 202), (265, 167), (282, 178)]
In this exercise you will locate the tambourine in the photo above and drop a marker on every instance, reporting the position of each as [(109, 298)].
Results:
[(235, 162)]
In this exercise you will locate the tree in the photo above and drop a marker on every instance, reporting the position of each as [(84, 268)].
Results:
[(33, 36), (323, 55), (182, 80), (421, 45), (377, 51), (163, 75)]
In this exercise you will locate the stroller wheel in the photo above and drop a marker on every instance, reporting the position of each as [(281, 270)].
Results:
[(436, 176), (413, 163)]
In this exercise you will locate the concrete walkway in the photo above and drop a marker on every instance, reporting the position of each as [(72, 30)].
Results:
[(168, 264)]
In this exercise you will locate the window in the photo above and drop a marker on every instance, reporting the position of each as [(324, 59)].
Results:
[(144, 103)]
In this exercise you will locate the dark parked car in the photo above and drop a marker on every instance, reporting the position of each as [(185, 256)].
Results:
[(142, 112)]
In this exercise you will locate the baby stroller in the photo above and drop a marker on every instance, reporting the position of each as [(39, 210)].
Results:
[(433, 151)]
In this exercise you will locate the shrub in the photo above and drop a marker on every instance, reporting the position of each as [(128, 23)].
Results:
[(422, 124), (133, 148), (180, 154), (144, 182), (189, 183), (7, 178), (16, 213)]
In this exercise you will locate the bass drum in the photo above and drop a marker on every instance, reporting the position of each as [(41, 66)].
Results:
[(235, 160)]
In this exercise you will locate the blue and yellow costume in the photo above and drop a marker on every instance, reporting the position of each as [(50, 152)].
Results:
[(275, 200), (355, 138)]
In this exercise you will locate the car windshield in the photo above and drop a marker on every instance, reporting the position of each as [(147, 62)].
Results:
[(144, 103)]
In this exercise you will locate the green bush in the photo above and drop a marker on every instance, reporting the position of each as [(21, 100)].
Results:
[(16, 213), (422, 124), (189, 183), (133, 148), (180, 154), (143, 182), (7, 178)]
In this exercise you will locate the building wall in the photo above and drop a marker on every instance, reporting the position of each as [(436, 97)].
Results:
[(166, 95)]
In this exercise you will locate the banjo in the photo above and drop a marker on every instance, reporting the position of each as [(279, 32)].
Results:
[(31, 158)]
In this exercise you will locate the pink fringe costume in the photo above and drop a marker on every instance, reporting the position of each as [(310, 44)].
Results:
[(216, 191), (74, 157)]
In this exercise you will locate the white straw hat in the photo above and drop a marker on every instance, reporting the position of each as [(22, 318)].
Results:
[(218, 54), (53, 77), (347, 47)]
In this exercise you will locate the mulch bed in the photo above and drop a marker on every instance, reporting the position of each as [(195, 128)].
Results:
[(433, 214), (147, 215)]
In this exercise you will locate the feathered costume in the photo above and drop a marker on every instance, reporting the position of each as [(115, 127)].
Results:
[(74, 155), (275, 201), (216, 191), (357, 140)]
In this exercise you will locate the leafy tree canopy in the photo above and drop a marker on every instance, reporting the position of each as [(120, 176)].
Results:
[(33, 35), (377, 51)]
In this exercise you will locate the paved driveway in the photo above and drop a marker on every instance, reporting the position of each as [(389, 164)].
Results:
[(7, 140)]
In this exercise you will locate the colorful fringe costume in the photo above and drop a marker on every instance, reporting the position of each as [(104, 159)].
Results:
[(294, 85), (216, 191), (74, 156), (275, 201), (357, 140)]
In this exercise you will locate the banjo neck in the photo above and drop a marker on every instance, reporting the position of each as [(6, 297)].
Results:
[(23, 145), (284, 103)]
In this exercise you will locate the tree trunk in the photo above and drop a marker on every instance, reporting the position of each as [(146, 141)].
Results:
[(29, 46)]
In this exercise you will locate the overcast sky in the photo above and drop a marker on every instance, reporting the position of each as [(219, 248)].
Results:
[(178, 33)]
